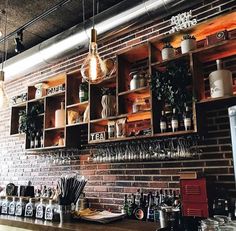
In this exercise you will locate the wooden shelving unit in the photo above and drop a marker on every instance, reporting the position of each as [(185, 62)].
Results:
[(145, 57)]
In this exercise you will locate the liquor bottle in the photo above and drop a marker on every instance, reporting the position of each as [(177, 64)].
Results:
[(29, 209), (132, 206), (12, 207), (151, 207), (187, 119), (37, 140), (41, 140), (49, 211), (40, 210), (83, 91), (32, 140), (157, 207), (174, 121), (141, 211), (163, 122), (125, 205), (5, 205), (20, 208)]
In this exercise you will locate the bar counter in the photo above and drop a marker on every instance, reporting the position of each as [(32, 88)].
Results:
[(33, 224)]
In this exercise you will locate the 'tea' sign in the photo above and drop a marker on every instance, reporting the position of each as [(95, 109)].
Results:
[(182, 21)]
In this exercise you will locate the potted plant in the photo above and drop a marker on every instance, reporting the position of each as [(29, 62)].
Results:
[(188, 43), (167, 51), (108, 102), (171, 85)]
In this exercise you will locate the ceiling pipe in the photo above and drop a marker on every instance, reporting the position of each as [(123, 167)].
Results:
[(77, 37)]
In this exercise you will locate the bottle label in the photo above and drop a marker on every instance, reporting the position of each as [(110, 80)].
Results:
[(139, 214), (11, 209), (48, 214), (174, 124), (81, 94), (18, 210), (187, 122), (4, 207), (29, 211), (163, 126), (39, 212)]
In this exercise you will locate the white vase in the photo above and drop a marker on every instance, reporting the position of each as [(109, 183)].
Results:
[(40, 90), (188, 45), (221, 83), (167, 53), (108, 106)]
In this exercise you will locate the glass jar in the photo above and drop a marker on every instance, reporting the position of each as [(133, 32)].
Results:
[(210, 225)]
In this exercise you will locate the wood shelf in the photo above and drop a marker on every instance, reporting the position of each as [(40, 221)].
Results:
[(17, 134), (54, 128), (60, 93), (45, 148), (136, 92), (76, 124), (178, 133), (83, 105), (177, 57)]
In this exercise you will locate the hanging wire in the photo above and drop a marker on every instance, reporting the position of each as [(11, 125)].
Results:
[(93, 12), (83, 7), (98, 7), (5, 44)]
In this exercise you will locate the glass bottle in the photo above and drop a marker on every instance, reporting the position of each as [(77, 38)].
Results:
[(163, 122), (151, 207), (40, 210), (12, 207), (83, 91), (5, 205), (187, 119), (37, 140), (174, 121), (32, 140), (49, 211), (125, 205), (29, 209), (41, 140), (20, 208)]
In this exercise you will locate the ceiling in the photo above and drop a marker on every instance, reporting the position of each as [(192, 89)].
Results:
[(19, 12)]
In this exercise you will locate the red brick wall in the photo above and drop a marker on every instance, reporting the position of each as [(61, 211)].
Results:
[(109, 182)]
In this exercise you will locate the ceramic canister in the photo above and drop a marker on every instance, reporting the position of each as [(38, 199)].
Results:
[(220, 82), (188, 45)]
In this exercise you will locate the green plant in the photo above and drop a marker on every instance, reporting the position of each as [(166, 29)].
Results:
[(29, 122), (167, 45), (171, 85), (108, 91), (188, 36)]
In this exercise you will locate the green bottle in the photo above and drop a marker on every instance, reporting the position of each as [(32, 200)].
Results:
[(83, 91)]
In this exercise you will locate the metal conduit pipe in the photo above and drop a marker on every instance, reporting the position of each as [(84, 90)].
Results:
[(125, 13)]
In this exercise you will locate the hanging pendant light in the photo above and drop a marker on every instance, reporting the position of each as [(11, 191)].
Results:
[(3, 95), (93, 69)]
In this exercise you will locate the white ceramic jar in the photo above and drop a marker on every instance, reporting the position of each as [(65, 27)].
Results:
[(167, 53), (188, 45)]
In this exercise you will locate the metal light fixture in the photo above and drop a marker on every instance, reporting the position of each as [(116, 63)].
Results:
[(3, 96), (18, 41), (93, 69)]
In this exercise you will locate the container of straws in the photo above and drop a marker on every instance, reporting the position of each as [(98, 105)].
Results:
[(70, 189)]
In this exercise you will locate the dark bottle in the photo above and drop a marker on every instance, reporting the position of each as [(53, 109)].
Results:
[(187, 119), (151, 208), (141, 211), (125, 205), (157, 207), (32, 140), (37, 140), (83, 91), (174, 121), (163, 122)]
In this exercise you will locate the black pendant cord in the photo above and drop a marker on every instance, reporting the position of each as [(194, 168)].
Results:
[(83, 7), (93, 12), (5, 44)]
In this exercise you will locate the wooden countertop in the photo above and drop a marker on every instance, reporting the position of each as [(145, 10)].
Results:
[(33, 224)]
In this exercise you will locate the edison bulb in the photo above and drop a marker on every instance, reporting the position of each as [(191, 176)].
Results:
[(93, 69)]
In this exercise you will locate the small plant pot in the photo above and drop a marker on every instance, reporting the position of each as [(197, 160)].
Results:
[(167, 53), (188, 45)]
